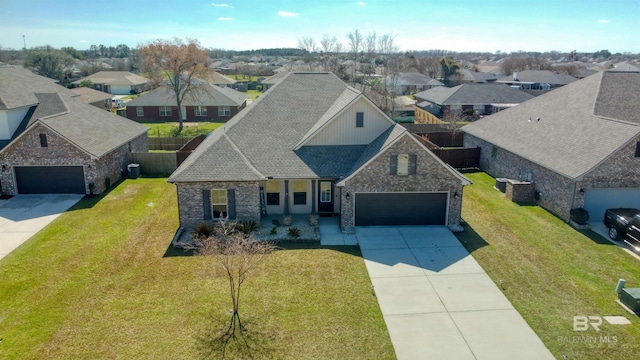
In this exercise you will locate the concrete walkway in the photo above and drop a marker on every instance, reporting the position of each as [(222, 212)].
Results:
[(437, 302), (24, 215)]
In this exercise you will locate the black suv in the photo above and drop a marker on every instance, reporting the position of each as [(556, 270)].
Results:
[(623, 221)]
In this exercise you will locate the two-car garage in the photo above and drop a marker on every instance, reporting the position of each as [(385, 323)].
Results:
[(50, 179), (401, 208)]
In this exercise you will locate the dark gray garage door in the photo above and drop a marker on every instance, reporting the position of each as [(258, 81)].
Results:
[(50, 180), (401, 209)]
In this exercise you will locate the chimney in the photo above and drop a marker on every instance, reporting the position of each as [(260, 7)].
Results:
[(515, 76)]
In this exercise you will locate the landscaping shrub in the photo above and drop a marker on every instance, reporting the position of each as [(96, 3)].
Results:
[(579, 216), (203, 231), (246, 227), (294, 232), (274, 230)]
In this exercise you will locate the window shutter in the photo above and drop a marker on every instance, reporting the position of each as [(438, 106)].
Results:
[(413, 160), (394, 165), (231, 204), (206, 204)]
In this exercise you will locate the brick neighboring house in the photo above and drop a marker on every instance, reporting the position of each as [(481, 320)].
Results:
[(313, 145), (203, 103), (479, 99), (116, 82), (579, 145), (50, 142)]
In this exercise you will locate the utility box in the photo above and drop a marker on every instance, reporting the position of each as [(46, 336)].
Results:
[(630, 297), (134, 171), (501, 184)]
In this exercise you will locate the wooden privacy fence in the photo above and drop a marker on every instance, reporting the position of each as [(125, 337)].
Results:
[(464, 158), (154, 164), (168, 143)]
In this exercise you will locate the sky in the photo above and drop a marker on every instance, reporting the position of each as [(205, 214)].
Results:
[(456, 25)]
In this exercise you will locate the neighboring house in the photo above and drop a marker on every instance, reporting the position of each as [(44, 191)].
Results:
[(52, 143), (202, 103), (274, 79), (313, 145), (99, 99), (116, 82), (536, 82), (481, 99), (406, 83), (215, 78), (579, 144), (478, 77)]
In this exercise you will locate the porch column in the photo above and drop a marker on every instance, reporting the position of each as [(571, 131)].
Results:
[(286, 197), (313, 196)]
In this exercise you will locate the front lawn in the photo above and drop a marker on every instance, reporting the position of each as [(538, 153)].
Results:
[(168, 129), (551, 272), (101, 283)]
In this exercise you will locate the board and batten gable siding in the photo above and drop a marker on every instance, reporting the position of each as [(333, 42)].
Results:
[(10, 120), (343, 131)]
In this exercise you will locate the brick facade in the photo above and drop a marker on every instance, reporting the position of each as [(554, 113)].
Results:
[(190, 201), (27, 151), (152, 113), (431, 176), (557, 193)]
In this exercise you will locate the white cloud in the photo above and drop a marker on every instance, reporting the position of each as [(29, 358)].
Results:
[(225, 18), (83, 41), (361, 3), (285, 13), (221, 5), (604, 21)]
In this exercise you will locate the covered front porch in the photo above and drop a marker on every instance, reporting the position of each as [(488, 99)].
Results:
[(299, 197)]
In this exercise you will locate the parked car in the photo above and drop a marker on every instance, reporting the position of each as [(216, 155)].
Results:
[(623, 222)]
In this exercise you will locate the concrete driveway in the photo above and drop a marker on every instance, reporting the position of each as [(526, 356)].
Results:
[(437, 302), (24, 215)]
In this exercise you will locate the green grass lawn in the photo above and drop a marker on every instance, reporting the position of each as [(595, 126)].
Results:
[(551, 272), (167, 129), (243, 77), (253, 94), (101, 283)]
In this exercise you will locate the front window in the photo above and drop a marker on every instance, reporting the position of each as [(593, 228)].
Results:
[(139, 111), (273, 192), (403, 164), (200, 111), (325, 191), (299, 192), (43, 140), (165, 110), (219, 203), (224, 111)]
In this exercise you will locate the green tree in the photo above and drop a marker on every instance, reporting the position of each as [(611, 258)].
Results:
[(86, 83), (73, 52), (449, 68), (48, 61)]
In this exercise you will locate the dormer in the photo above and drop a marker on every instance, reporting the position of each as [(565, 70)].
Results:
[(10, 120)]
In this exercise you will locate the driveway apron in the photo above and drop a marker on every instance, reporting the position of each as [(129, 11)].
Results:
[(24, 215), (437, 302)]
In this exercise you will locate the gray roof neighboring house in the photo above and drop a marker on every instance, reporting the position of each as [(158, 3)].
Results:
[(538, 77), (200, 95), (267, 139), (476, 76), (93, 130), (572, 129), (215, 78), (89, 95), (413, 78), (118, 78), (474, 94)]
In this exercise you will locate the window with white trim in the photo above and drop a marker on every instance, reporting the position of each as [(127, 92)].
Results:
[(219, 203), (200, 110), (139, 111), (165, 110), (224, 111)]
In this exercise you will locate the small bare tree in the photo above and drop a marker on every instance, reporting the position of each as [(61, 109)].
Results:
[(235, 255)]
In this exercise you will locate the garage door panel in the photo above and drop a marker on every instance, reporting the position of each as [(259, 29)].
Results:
[(50, 180), (400, 209)]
